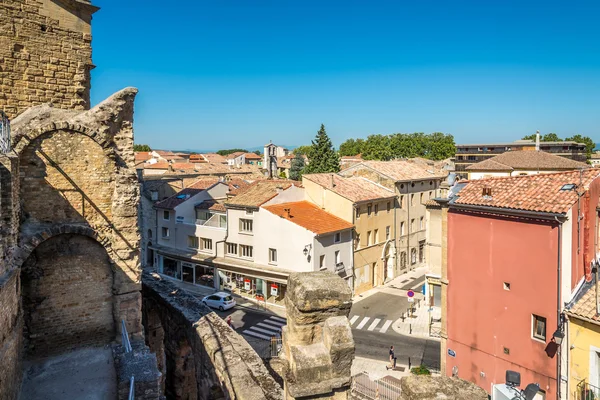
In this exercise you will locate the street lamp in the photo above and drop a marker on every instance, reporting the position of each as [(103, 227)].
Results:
[(306, 249), (558, 336)]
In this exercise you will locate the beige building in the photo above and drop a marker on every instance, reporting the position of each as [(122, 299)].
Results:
[(370, 207), (414, 183), (515, 163)]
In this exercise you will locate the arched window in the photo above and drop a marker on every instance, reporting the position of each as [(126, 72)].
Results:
[(149, 233)]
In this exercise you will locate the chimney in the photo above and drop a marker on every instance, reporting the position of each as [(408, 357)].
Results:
[(287, 210), (537, 141), (332, 181)]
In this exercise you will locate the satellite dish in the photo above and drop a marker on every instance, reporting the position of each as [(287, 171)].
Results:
[(530, 391)]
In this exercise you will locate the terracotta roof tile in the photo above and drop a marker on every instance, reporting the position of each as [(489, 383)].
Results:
[(158, 165), (183, 165), (259, 192), (203, 184), (142, 156), (310, 217), (526, 160), (402, 170), (252, 156), (214, 157), (586, 306), (211, 205), (237, 184), (178, 198), (234, 155), (354, 188), (540, 192)]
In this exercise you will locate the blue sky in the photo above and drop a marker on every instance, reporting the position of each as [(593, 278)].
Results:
[(238, 73)]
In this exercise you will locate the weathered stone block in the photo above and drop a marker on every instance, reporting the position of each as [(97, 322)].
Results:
[(422, 387)]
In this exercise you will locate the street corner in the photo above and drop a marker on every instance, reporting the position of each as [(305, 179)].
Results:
[(377, 369)]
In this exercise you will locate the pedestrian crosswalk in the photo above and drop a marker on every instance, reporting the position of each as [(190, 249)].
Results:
[(373, 326), (266, 329)]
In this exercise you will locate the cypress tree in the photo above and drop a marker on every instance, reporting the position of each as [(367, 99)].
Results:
[(322, 156)]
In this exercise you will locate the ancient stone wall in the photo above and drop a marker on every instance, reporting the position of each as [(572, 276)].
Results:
[(45, 54), (198, 354)]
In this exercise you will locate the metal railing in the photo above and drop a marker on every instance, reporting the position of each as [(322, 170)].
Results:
[(131, 388), (435, 330), (276, 345), (125, 337), (585, 391), (385, 388), (4, 133)]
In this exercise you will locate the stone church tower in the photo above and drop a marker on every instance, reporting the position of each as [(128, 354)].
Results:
[(45, 54)]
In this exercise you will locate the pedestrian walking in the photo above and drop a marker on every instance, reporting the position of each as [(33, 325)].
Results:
[(229, 321), (392, 359)]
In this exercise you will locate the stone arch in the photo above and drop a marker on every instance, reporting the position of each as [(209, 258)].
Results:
[(388, 256), (67, 290), (22, 141)]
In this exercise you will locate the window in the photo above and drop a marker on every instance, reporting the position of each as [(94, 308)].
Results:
[(403, 259), (422, 223), (387, 233), (376, 236), (203, 215), (539, 327), (357, 242), (273, 256), (166, 215), (357, 212), (245, 225), (322, 261), (376, 209), (149, 233), (337, 257), (369, 209), (232, 248), (337, 237), (206, 244), (430, 194), (421, 198), (165, 232), (388, 206), (368, 238), (401, 228), (422, 251), (401, 202), (154, 195), (245, 251), (412, 225), (193, 242), (413, 256), (412, 200)]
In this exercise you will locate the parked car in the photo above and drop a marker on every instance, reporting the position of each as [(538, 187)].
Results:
[(222, 301)]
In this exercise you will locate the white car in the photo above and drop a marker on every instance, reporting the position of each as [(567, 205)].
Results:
[(221, 300)]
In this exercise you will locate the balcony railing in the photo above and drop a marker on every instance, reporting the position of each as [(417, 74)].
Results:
[(216, 221), (585, 391)]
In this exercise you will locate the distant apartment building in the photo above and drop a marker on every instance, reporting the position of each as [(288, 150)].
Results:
[(468, 154), (595, 159), (236, 159), (248, 241), (370, 207), (414, 183), (517, 163), (519, 251), (253, 159)]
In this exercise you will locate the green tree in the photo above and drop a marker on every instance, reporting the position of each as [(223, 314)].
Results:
[(589, 143), (322, 156), (141, 147), (548, 137), (302, 150), (296, 167), (441, 146), (258, 153), (282, 175), (351, 147), (227, 152), (377, 147)]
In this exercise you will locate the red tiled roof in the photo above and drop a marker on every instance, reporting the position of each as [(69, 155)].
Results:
[(203, 184), (354, 188), (164, 153), (526, 160), (235, 155), (211, 205), (258, 193), (142, 156), (236, 184), (214, 157), (252, 156), (197, 158), (402, 170), (310, 217), (540, 193), (158, 165), (585, 307), (183, 165), (178, 198)]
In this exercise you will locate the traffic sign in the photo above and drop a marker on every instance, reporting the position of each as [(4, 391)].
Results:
[(411, 299), (410, 293)]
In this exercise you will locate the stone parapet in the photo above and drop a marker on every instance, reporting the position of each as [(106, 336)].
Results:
[(423, 387), (318, 347), (140, 364)]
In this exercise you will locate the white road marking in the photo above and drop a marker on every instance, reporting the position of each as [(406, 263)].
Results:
[(280, 319), (363, 322), (258, 335), (385, 326), (353, 320), (374, 324)]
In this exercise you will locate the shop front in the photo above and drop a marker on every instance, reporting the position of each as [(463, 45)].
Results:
[(249, 284), (187, 271), (433, 291)]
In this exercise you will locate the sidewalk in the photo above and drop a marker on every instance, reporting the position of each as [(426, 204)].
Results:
[(243, 302), (418, 324)]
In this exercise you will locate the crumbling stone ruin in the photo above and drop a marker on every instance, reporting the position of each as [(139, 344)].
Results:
[(318, 348)]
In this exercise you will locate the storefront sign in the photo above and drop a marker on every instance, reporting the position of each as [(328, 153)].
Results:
[(274, 289), (247, 284)]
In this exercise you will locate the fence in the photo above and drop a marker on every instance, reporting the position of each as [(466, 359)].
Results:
[(266, 349), (128, 349), (386, 388), (585, 391), (435, 330)]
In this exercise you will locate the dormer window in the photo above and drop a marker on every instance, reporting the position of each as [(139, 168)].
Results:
[(166, 215)]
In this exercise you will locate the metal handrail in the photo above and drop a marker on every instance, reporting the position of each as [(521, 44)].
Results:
[(132, 388), (125, 337)]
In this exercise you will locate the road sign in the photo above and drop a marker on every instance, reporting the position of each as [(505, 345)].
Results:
[(411, 299), (451, 353), (410, 293)]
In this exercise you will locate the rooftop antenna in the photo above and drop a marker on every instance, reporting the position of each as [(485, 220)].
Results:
[(537, 141)]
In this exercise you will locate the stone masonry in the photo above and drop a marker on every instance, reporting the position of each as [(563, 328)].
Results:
[(45, 54), (318, 348)]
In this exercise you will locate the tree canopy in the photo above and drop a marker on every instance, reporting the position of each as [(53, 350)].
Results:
[(229, 151), (141, 147), (296, 167), (435, 146), (322, 157), (303, 150)]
